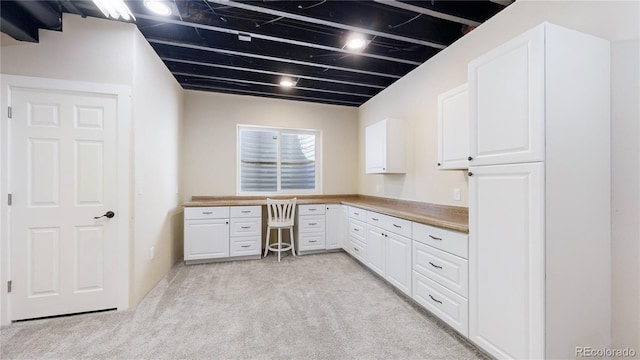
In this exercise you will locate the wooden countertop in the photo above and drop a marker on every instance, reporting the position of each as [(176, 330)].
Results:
[(444, 216)]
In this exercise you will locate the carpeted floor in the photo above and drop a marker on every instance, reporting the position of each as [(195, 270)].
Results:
[(324, 306)]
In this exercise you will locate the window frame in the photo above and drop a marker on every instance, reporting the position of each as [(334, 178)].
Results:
[(279, 191)]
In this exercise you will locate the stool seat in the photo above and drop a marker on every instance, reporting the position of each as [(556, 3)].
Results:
[(280, 215)]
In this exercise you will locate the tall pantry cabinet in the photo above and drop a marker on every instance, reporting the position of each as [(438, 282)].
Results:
[(539, 195)]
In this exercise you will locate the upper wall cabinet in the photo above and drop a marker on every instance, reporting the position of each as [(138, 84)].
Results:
[(453, 128), (385, 147), (507, 102)]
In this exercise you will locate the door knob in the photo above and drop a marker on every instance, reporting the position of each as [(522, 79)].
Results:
[(108, 215)]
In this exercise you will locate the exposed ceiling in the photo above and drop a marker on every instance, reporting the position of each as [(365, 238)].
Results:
[(247, 47)]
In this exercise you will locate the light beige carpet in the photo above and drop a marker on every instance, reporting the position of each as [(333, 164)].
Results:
[(324, 306)]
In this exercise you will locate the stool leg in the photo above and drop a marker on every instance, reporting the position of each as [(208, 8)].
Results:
[(293, 249), (266, 247), (279, 243)]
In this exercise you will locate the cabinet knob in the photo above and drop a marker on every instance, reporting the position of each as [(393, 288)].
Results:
[(438, 164), (469, 158), (470, 173)]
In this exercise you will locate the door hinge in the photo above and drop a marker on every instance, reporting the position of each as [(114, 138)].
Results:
[(9, 112), (9, 199), (9, 283)]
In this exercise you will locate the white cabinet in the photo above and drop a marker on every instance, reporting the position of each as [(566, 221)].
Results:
[(206, 233), (539, 195), (507, 97), (453, 129), (441, 274), (387, 246), (357, 234), (310, 228), (376, 244), (214, 233), (398, 261), (385, 147), (336, 226)]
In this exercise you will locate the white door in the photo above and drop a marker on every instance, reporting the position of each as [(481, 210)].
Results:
[(335, 229), (62, 176), (206, 239), (506, 260), (507, 102), (398, 262), (375, 249), (453, 128)]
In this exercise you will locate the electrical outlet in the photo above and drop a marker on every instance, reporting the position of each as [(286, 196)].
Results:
[(456, 194), (152, 253)]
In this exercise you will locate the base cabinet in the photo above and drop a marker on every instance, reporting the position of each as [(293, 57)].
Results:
[(398, 262), (214, 233)]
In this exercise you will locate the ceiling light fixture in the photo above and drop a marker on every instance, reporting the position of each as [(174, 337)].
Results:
[(288, 82), (356, 42), (158, 7), (114, 8)]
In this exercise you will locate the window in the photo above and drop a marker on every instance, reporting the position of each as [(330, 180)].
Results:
[(272, 161)]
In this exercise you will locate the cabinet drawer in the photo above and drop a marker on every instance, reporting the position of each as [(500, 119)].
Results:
[(357, 229), (245, 227), (448, 270), (390, 223), (316, 209), (357, 213), (246, 211), (358, 250), (446, 240), (246, 245), (311, 241), (214, 212), (447, 305), (311, 224)]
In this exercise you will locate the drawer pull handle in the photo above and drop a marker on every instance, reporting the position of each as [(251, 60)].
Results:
[(312, 241), (435, 266), (374, 219), (207, 212), (355, 229), (432, 298), (356, 213), (312, 209), (245, 211), (312, 224), (435, 238), (245, 227), (356, 249), (245, 246), (398, 226)]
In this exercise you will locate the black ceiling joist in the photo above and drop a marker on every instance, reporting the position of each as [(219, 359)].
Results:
[(429, 12)]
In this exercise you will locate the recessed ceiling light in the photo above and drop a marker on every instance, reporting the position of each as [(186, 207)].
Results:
[(158, 7), (356, 42), (287, 82)]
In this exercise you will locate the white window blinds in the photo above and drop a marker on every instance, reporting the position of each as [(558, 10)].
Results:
[(273, 161)]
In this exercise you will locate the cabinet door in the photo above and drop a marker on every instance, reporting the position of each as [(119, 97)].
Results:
[(507, 102), (335, 228), (206, 239), (376, 249), (375, 147), (506, 260), (398, 262), (453, 128)]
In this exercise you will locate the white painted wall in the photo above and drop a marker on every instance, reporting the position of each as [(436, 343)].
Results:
[(158, 140), (625, 194), (414, 99), (210, 138), (104, 51)]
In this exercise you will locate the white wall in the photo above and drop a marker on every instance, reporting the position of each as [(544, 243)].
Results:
[(104, 51), (414, 99), (210, 138), (625, 193), (158, 140)]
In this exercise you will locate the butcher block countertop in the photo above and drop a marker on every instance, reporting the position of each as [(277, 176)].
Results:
[(444, 216)]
